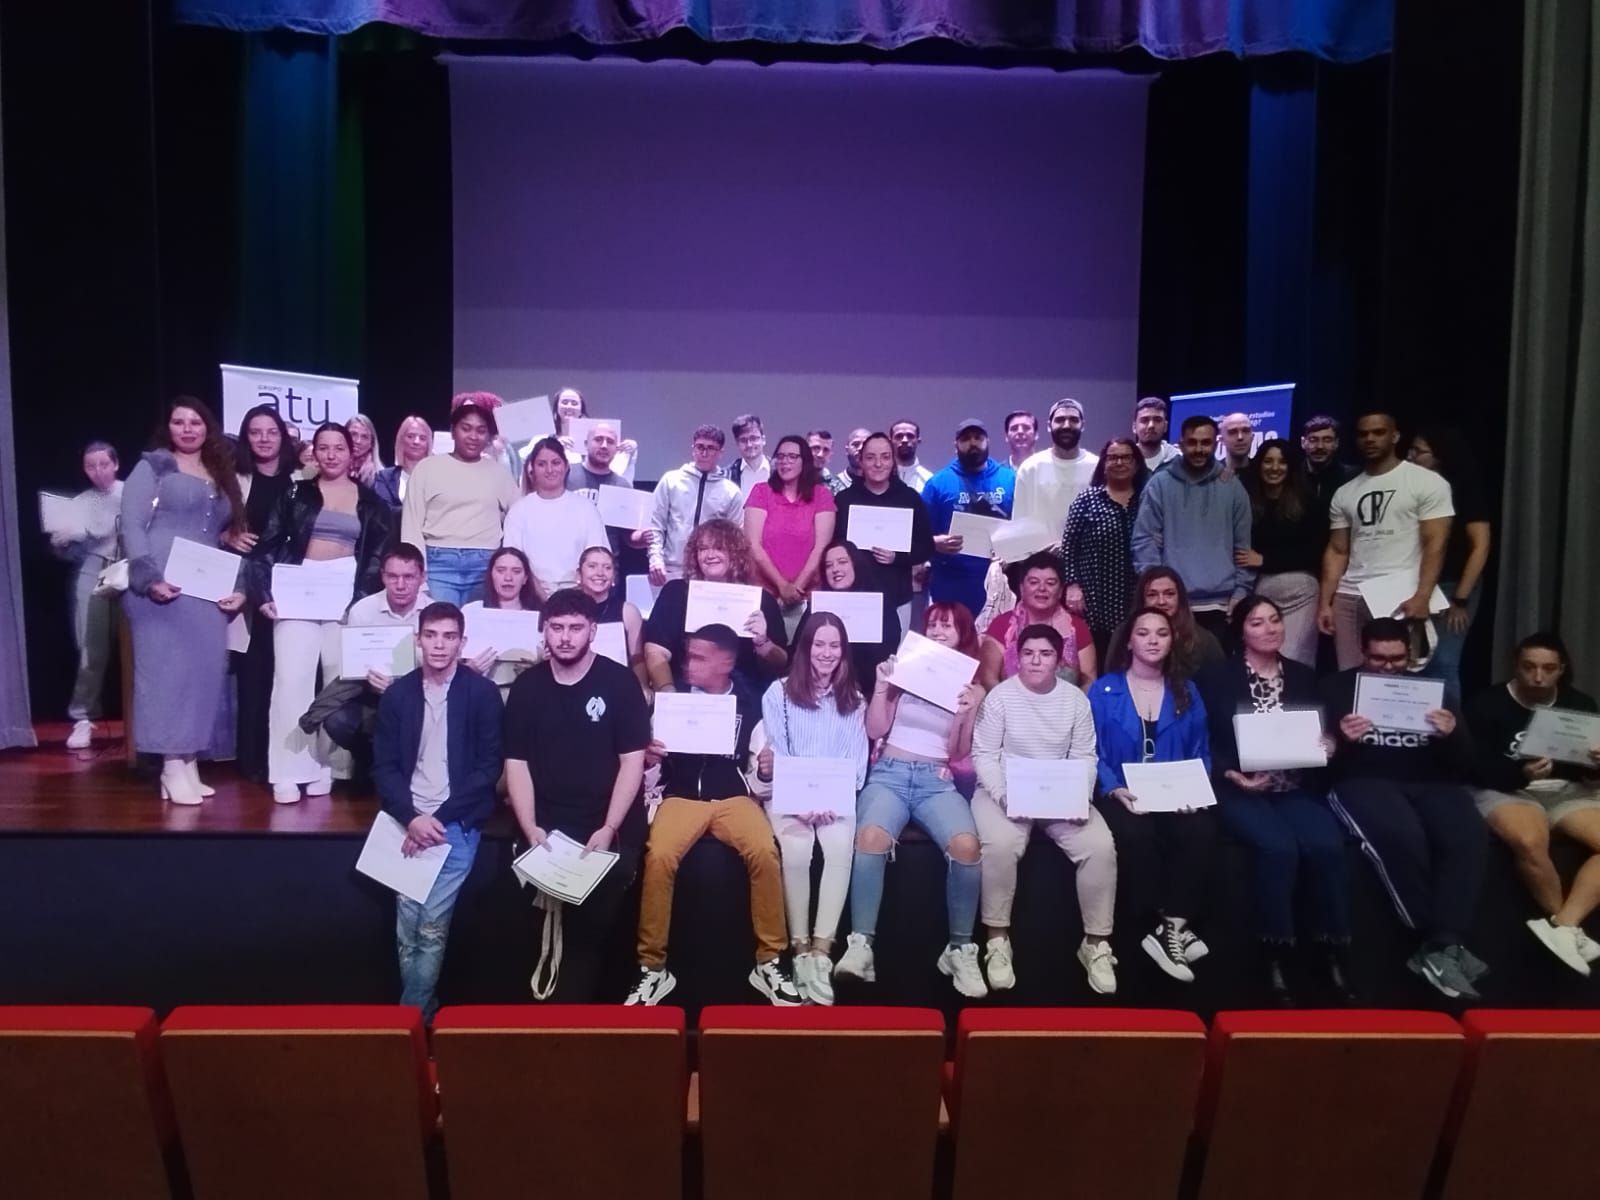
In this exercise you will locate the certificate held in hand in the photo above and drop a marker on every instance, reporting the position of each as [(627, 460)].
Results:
[(1279, 741), (387, 649), (313, 591), (975, 533), (861, 613), (692, 723), (1169, 786), (1048, 789), (382, 860), (204, 572), (624, 508), (1398, 702), (936, 673), (872, 528), (513, 633), (729, 604), (804, 785), (1562, 734), (561, 869)]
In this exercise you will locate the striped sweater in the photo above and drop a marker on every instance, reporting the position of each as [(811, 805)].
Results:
[(1024, 724), (820, 732)]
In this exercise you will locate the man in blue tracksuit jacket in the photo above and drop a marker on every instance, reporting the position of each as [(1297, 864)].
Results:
[(971, 482)]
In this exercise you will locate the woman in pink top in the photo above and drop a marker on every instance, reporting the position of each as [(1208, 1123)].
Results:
[(1037, 582), (789, 520)]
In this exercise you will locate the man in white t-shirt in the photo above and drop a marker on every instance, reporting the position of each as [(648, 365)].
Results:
[(1392, 519), (1049, 481)]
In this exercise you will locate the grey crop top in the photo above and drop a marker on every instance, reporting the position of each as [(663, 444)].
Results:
[(337, 527)]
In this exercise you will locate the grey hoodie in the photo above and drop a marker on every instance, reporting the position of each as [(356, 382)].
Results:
[(685, 498), (1194, 525)]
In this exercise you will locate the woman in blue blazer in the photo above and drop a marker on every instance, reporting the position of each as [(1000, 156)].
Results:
[(1145, 711)]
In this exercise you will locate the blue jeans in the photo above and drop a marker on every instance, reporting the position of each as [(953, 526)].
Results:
[(898, 791), (1293, 836), (421, 930), (455, 573), (1446, 661)]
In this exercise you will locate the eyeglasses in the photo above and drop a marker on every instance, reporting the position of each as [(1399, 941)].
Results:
[(790, 457)]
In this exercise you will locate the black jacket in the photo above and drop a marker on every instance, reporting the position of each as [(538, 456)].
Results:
[(1225, 688), (715, 776), (288, 533), (892, 579)]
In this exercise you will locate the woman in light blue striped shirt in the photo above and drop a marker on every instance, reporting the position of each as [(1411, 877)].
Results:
[(817, 712)]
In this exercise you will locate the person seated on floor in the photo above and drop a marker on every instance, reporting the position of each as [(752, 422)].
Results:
[(1036, 714), (1039, 584), (913, 781), (1147, 711), (1524, 798), (709, 793), (1405, 796), (576, 728), (435, 761)]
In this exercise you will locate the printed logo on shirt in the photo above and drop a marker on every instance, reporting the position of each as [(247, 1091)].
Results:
[(596, 708), (1394, 739), (983, 503), (1373, 507)]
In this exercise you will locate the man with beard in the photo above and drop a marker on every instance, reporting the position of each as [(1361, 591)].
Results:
[(576, 729), (852, 454), (1150, 431), (907, 436), (971, 482), (1049, 481), (1323, 468)]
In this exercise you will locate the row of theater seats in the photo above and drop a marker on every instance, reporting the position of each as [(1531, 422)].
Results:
[(600, 1102)]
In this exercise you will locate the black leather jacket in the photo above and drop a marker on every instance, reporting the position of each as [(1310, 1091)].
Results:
[(288, 532)]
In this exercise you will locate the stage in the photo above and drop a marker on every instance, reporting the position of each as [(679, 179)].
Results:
[(124, 899)]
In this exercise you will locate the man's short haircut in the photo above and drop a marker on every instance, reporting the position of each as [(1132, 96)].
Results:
[(1019, 412), (407, 553), (105, 448), (1198, 421), (1377, 412), (820, 433), (572, 602), (1318, 423), (745, 423), (1384, 629), (917, 428), (718, 635), (1041, 632), (442, 610), (1545, 639), (711, 433), (1150, 402)]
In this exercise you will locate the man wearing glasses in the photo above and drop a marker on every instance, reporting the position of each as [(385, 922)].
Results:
[(698, 491)]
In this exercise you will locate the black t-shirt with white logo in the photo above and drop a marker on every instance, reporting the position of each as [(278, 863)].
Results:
[(1398, 756), (570, 736)]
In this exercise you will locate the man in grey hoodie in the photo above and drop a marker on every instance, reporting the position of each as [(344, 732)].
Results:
[(1194, 520), (685, 497)]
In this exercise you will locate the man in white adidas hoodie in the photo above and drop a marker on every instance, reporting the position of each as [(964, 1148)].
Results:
[(686, 496)]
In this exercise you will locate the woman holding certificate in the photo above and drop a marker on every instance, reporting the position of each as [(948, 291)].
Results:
[(789, 520), (1040, 588), (1279, 811), (1147, 711), (182, 494), (508, 585), (815, 713), (332, 519), (597, 579), (550, 525), (413, 442), (845, 569)]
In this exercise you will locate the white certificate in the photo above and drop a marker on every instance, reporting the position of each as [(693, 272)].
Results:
[(936, 673), (641, 593), (861, 612), (1279, 741), (813, 785), (313, 591), (1015, 540), (1399, 702), (381, 859), (623, 507), (387, 649), (611, 641), (1050, 789), (1169, 786), (578, 430), (869, 527), (444, 442), (239, 635), (60, 514), (561, 869), (691, 723), (1561, 734), (512, 632), (975, 533), (727, 604), (525, 420), (203, 572), (1385, 594)]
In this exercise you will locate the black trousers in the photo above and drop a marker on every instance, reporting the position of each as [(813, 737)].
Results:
[(598, 934), (1163, 859)]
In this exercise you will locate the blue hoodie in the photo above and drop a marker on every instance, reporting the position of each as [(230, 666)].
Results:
[(1194, 525), (987, 492)]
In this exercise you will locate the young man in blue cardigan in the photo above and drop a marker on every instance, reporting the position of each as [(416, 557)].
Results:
[(436, 760)]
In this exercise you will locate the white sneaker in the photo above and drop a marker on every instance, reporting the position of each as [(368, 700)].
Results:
[(997, 964), (286, 793), (819, 980), (961, 964), (1560, 941), (81, 736), (857, 961), (1587, 946), (802, 975), (322, 785), (1098, 961), (1193, 948), (776, 984), (652, 987)]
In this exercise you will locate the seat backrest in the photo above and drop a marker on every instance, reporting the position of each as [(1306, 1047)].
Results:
[(793, 1100), (83, 1110), (306, 1101), (1326, 1105), (1110, 1091), (592, 1094), (1528, 1110)]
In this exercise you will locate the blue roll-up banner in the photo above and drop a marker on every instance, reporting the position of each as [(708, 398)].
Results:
[(1269, 407)]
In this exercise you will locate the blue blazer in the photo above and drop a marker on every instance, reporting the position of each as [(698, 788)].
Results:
[(387, 484), (474, 714), (1120, 734)]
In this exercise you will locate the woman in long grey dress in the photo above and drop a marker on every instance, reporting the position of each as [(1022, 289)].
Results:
[(185, 488)]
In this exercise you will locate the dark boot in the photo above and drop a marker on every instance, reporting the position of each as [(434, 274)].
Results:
[(1277, 980), (1336, 977)]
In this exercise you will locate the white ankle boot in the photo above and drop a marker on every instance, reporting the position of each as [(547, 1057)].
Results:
[(192, 767), (176, 785)]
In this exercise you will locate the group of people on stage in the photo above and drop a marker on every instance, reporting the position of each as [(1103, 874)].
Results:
[(1150, 594)]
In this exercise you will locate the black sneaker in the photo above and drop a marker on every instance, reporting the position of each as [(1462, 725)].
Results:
[(776, 984), (1165, 945)]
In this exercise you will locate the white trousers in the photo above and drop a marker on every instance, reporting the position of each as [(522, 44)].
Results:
[(298, 647), (795, 842)]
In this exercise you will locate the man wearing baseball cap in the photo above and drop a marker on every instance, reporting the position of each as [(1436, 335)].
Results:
[(1049, 481), (971, 482)]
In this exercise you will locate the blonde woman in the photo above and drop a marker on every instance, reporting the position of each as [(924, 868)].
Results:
[(412, 444)]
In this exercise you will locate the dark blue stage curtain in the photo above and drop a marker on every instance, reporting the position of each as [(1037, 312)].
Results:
[(1338, 30)]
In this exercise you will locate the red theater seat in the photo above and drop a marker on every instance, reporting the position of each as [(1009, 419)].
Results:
[(83, 1110), (1529, 1107), (1109, 1091), (1326, 1105), (801, 1102), (587, 1099), (298, 1101)]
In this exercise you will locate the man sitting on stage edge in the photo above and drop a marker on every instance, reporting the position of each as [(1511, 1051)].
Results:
[(576, 728), (436, 760), (708, 793)]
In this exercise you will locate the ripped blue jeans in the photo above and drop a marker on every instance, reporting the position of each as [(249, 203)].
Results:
[(421, 930), (899, 791)]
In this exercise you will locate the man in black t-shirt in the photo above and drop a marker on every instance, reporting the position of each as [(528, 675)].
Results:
[(576, 728)]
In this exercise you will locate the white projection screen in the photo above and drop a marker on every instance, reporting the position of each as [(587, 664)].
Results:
[(824, 245)]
